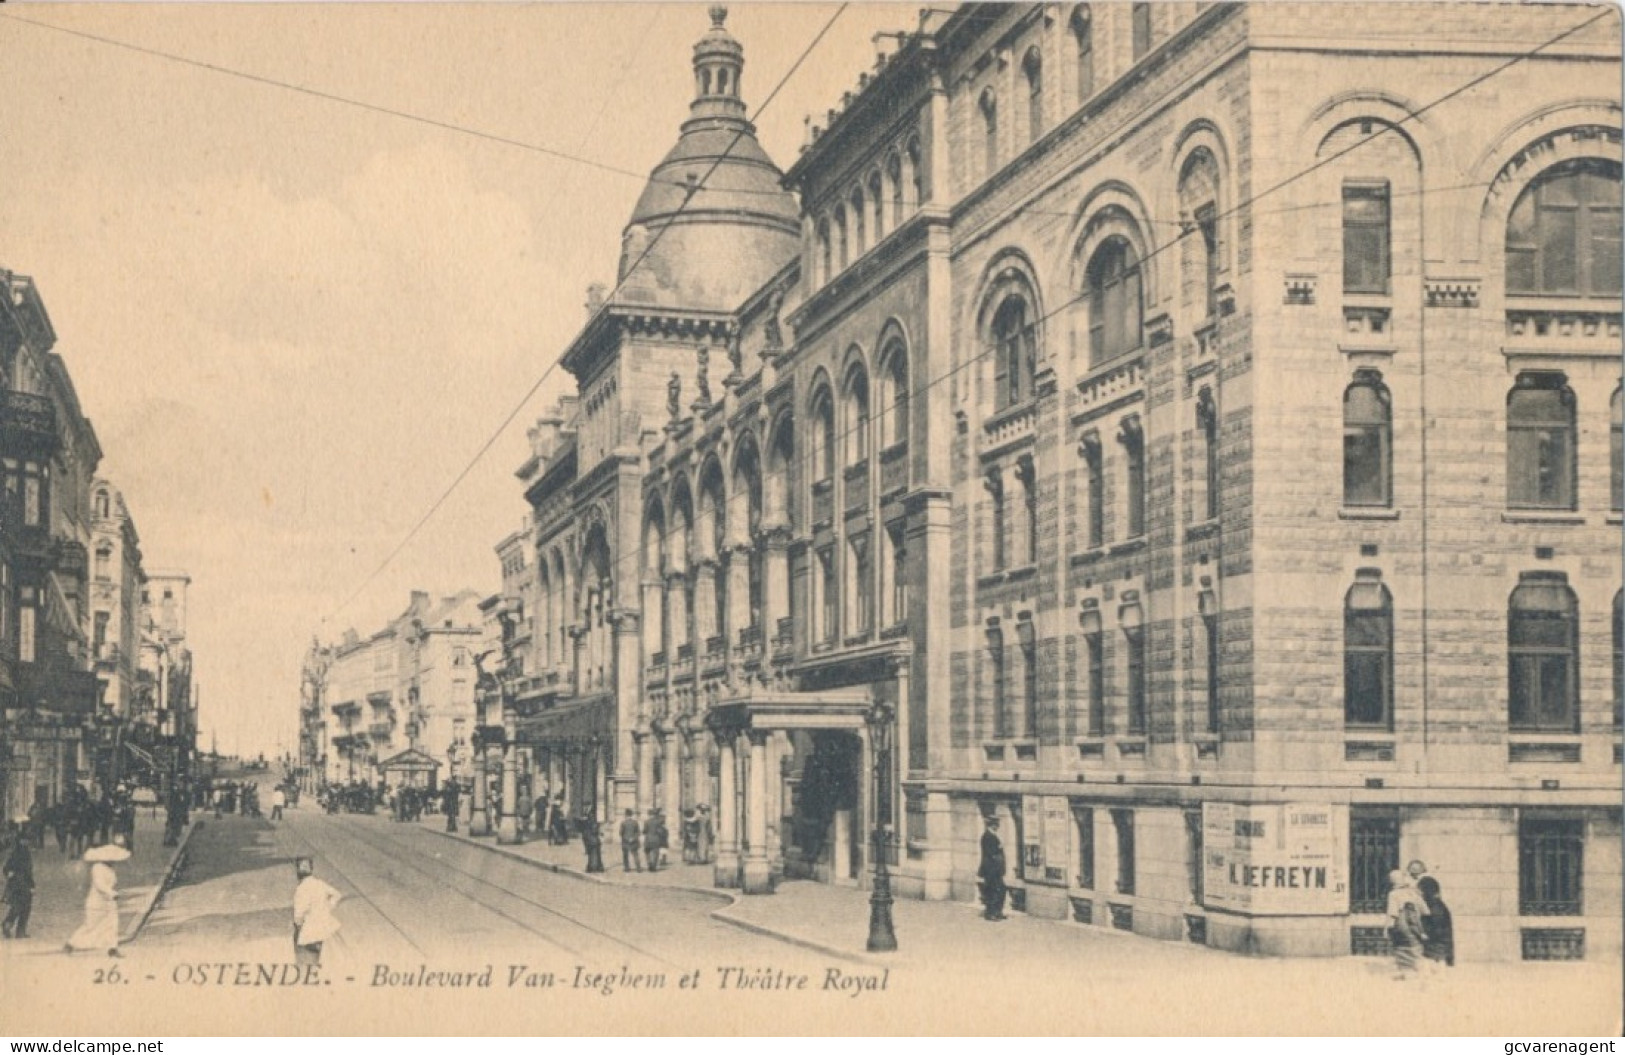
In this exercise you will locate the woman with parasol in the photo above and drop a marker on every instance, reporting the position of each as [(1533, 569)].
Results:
[(100, 929)]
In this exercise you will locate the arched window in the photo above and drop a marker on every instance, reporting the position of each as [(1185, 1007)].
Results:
[(1141, 30), (1032, 67), (1015, 353), (841, 239), (1084, 34), (1368, 653), (1198, 200), (1115, 305), (1540, 442), (894, 179), (826, 262), (1367, 438), (823, 439), (857, 415), (1563, 235), (1542, 654), (877, 203), (894, 395), (990, 132), (860, 241), (1616, 455), (101, 504)]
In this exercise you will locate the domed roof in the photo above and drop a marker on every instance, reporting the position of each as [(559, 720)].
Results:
[(738, 229)]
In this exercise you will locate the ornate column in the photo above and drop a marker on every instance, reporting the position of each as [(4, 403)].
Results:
[(578, 635), (756, 874), (672, 791), (508, 823), (479, 820), (678, 628), (645, 742), (775, 582), (727, 867)]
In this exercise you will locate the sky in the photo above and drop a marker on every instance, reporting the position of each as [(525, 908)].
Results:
[(293, 321)]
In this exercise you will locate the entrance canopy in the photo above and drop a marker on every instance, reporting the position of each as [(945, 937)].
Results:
[(576, 720), (409, 761), (766, 709)]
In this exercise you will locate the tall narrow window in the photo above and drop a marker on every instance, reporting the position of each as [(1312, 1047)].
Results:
[(1373, 855), (1134, 644), (1123, 822), (1095, 485), (990, 133), (1029, 678), (104, 561), (826, 259), (899, 573), (862, 584), (1015, 353), (894, 178), (1083, 34), (894, 396), (1616, 455), (1210, 634), (857, 415), (841, 242), (1094, 645), (830, 595), (1083, 818), (27, 599), (1540, 442), (877, 203), (1365, 238), (99, 635), (1028, 477), (1619, 660), (1116, 311), (1207, 423), (994, 482), (1542, 654), (1368, 653), (823, 450), (1001, 703), (1563, 235), (1551, 855), (1032, 67), (1207, 229), (1132, 437), (1141, 30), (860, 236), (1367, 439)]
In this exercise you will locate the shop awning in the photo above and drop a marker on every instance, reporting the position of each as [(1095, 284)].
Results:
[(410, 760), (576, 720)]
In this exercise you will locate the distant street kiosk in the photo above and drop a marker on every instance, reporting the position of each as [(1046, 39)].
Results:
[(409, 769)]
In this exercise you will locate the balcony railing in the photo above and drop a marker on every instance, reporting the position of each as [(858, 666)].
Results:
[(381, 730), (713, 644), (750, 638), (685, 651)]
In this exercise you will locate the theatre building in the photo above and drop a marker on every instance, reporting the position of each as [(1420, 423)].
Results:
[(1182, 433)]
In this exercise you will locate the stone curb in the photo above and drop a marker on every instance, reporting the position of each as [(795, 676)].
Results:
[(718, 914), (170, 871)]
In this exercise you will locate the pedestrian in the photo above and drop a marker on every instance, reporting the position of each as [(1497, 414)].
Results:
[(1405, 932), (448, 802), (629, 843), (540, 809), (1438, 931), (652, 829), (313, 918), (279, 799), (561, 824), (691, 835), (100, 928), (19, 875), (704, 836), (991, 872), (592, 840), (56, 816)]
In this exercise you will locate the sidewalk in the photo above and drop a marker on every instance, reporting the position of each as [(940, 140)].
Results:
[(60, 883)]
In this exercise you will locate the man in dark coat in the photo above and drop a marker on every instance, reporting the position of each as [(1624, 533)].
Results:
[(630, 862), (448, 803), (991, 872), (654, 839), (19, 873)]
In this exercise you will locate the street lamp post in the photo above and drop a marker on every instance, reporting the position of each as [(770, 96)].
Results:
[(882, 935)]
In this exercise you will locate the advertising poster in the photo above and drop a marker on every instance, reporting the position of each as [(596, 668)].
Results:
[(1275, 859)]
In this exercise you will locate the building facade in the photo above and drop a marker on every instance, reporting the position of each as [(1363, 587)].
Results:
[(408, 688), (164, 733), (49, 452), (116, 583), (1178, 433)]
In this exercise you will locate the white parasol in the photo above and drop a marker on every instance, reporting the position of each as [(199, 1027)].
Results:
[(108, 854)]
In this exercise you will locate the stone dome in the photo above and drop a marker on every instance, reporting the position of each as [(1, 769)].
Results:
[(740, 228)]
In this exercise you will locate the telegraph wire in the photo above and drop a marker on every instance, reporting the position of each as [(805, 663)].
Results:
[(840, 436), (630, 271)]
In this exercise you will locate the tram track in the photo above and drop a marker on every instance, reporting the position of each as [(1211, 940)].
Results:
[(391, 850)]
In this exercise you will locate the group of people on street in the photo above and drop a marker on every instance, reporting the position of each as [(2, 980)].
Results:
[(241, 798), (81, 820), (653, 839), (100, 930), (1419, 924)]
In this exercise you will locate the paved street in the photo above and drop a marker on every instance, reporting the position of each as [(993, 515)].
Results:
[(567, 952)]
